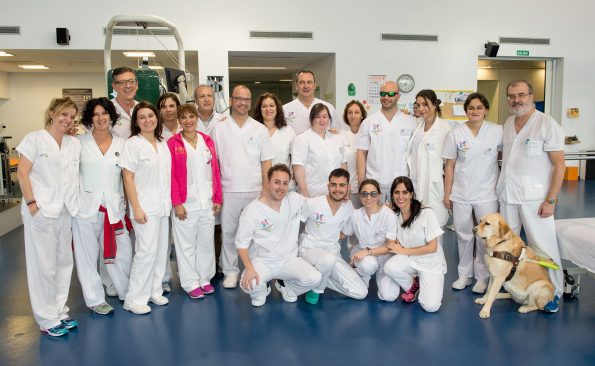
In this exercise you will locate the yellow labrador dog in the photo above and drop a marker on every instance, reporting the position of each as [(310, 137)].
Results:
[(509, 262)]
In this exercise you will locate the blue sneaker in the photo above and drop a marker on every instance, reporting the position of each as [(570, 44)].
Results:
[(57, 331), (552, 306), (69, 323)]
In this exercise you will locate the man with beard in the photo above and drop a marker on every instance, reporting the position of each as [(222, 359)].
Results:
[(267, 242), (382, 142), (531, 176), (325, 217)]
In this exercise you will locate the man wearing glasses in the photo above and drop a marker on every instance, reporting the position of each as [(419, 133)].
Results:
[(245, 152), (125, 85), (297, 112), (382, 141), (531, 176), (204, 98)]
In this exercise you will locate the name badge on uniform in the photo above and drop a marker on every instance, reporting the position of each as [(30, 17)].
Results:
[(430, 146), (376, 129), (405, 132)]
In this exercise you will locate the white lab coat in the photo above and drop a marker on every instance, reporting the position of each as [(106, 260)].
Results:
[(207, 126), (298, 116), (350, 147), (122, 126)]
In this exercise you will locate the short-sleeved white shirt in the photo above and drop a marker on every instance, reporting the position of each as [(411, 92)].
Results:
[(319, 157), (322, 227), (476, 167), (207, 126), (282, 141), (372, 231), (122, 126), (386, 143), (54, 175), (423, 229), (298, 116), (270, 236), (167, 134), (152, 174), (526, 166), (101, 179), (240, 152), (350, 146), (199, 176)]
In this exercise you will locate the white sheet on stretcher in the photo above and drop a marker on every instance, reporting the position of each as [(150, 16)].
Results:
[(576, 240)]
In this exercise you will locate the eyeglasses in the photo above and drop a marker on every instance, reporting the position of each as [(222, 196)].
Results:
[(518, 96), (126, 82), (240, 99), (365, 194), (390, 93)]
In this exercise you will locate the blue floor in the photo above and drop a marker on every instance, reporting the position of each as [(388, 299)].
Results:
[(224, 329)]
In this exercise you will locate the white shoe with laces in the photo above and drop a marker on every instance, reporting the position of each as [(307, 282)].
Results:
[(461, 283), (286, 293), (159, 300), (231, 280)]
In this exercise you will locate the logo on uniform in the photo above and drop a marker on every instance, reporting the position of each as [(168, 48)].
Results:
[(266, 225), (319, 219), (376, 128)]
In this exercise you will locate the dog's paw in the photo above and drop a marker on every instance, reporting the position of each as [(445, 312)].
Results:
[(484, 314), (525, 309), (480, 301)]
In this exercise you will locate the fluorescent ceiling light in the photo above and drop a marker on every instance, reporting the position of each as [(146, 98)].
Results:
[(257, 82), (258, 68), (155, 67), (34, 67), (4, 53), (139, 54), (289, 80)]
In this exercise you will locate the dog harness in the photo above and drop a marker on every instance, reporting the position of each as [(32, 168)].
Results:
[(506, 256)]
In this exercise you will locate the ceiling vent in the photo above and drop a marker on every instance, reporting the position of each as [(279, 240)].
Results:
[(6, 29), (519, 40), (284, 35), (408, 37), (131, 31)]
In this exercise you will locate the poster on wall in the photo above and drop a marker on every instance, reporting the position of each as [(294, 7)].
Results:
[(80, 96), (452, 104), (374, 83)]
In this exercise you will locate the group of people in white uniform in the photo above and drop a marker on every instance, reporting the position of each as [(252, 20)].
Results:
[(290, 184)]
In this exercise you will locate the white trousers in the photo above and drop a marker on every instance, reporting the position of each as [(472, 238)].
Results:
[(148, 263), (88, 249), (168, 270), (48, 255), (233, 204), (462, 214), (337, 274), (370, 265), (541, 235), (431, 284), (195, 248), (299, 277)]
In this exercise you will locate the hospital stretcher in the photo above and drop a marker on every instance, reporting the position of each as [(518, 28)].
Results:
[(576, 241)]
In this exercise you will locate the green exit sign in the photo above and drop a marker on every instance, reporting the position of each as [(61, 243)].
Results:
[(522, 52)]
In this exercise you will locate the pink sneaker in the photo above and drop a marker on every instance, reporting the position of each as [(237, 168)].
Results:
[(196, 293), (208, 289), (411, 294)]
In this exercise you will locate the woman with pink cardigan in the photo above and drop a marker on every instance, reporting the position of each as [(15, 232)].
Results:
[(197, 198)]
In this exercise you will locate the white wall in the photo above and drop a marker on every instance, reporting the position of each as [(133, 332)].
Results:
[(352, 32)]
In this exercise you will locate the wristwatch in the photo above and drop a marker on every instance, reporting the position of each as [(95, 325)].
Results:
[(369, 251), (551, 201)]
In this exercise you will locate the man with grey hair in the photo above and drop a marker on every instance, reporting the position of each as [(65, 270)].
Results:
[(204, 98), (531, 176)]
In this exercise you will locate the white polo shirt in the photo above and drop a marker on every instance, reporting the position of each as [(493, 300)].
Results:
[(282, 141), (101, 179), (372, 231), (526, 166), (423, 229), (199, 176), (122, 126), (476, 167), (152, 174), (319, 157), (207, 126), (298, 116), (54, 175), (322, 227), (386, 143), (240, 152), (270, 236)]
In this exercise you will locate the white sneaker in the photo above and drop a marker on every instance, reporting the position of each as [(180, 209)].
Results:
[(159, 300), (461, 283), (137, 309), (261, 300), (480, 287), (231, 280), (286, 293), (111, 291)]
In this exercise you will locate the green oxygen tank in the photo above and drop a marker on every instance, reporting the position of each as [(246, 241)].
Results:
[(148, 85)]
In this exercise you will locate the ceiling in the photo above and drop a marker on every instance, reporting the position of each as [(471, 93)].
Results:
[(510, 64), (291, 61)]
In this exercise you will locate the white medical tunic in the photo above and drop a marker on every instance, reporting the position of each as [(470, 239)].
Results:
[(282, 141), (199, 176), (386, 143), (322, 227), (476, 167), (526, 166), (423, 229), (319, 157), (271, 237), (372, 231), (207, 126), (240, 152), (167, 134), (122, 126), (298, 116), (350, 147), (101, 179), (152, 174), (55, 172)]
